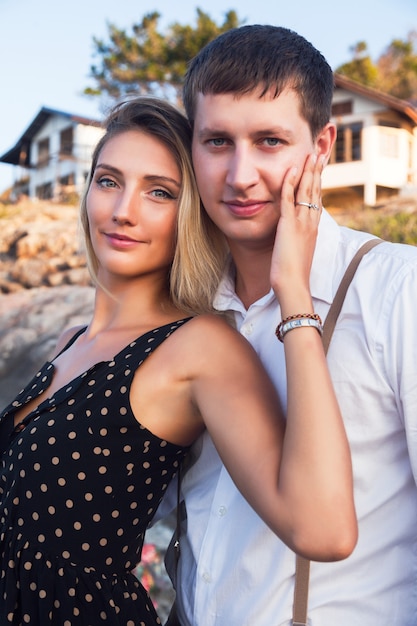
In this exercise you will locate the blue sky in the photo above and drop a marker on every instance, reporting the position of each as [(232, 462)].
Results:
[(46, 47)]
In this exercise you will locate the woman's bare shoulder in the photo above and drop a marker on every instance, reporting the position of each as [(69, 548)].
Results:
[(209, 332), (212, 324)]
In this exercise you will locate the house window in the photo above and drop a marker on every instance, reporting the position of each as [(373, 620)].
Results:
[(67, 180), (348, 143), (43, 152), (44, 192), (342, 108), (66, 142)]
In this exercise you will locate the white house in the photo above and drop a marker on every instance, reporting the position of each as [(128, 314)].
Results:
[(53, 155), (375, 154)]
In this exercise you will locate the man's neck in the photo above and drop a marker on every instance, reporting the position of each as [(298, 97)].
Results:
[(252, 279)]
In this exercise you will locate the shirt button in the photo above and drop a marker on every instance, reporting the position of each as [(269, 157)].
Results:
[(222, 511), (247, 329), (206, 577)]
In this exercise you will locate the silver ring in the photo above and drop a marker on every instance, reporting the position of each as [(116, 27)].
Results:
[(315, 207)]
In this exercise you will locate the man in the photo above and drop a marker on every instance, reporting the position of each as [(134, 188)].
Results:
[(259, 100)]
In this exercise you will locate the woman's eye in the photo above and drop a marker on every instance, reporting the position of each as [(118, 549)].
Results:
[(104, 181), (163, 194)]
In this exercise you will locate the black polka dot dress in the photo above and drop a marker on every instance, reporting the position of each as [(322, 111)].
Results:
[(80, 479)]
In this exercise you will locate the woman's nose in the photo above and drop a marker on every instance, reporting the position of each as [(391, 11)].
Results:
[(127, 208)]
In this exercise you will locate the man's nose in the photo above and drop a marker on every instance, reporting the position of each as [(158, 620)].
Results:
[(242, 171)]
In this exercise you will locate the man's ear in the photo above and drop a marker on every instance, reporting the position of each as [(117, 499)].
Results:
[(325, 140)]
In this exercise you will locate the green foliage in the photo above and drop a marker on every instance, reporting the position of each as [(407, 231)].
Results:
[(398, 68), (361, 69), (394, 72), (148, 61), (399, 227)]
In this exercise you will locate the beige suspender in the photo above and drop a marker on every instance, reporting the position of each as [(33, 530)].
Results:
[(302, 576), (302, 566)]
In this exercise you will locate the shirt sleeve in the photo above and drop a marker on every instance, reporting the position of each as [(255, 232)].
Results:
[(397, 344)]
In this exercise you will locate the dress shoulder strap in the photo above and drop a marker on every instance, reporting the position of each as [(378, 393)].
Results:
[(71, 341)]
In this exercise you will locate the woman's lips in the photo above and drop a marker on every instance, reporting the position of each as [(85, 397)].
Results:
[(121, 241)]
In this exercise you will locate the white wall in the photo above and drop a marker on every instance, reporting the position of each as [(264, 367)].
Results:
[(84, 140), (389, 155)]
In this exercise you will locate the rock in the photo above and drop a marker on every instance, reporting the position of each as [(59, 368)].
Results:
[(28, 272), (40, 245), (8, 286), (31, 322)]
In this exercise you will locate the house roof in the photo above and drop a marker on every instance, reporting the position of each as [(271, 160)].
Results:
[(19, 154), (402, 106)]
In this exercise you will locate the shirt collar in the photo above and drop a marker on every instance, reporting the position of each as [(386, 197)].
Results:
[(320, 278), (324, 259)]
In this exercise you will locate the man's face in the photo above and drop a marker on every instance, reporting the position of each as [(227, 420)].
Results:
[(242, 148)]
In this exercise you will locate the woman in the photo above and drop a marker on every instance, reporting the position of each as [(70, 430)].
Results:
[(94, 439)]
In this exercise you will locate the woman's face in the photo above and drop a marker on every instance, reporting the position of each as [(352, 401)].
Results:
[(132, 207)]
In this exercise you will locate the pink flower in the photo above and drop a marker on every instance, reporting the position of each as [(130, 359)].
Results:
[(149, 553)]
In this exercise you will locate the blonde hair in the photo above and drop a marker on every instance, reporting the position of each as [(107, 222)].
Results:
[(200, 250)]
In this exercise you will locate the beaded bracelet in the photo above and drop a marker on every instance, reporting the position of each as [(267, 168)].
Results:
[(298, 321)]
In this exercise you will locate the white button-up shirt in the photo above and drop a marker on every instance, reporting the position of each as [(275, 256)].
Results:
[(233, 571)]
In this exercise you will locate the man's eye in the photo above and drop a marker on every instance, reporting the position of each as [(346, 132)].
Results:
[(272, 141), (217, 141)]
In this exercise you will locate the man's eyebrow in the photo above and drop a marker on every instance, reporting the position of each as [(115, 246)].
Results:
[(274, 131), (206, 132), (270, 131)]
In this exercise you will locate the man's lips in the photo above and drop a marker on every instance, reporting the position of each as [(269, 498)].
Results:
[(244, 209)]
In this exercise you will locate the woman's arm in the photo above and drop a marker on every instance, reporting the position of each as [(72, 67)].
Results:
[(300, 483)]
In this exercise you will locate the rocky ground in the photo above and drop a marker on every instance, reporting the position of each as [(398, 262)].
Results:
[(44, 286), (30, 322), (40, 246)]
